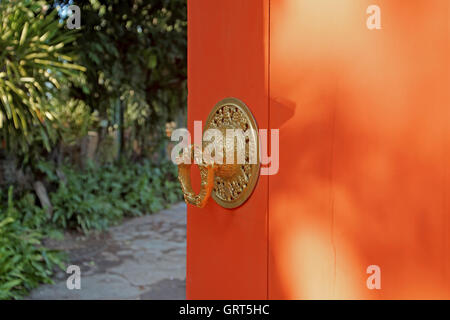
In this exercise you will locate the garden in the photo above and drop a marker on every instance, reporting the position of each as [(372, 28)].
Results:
[(85, 121)]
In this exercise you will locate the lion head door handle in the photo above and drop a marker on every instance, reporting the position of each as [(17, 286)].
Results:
[(229, 184)]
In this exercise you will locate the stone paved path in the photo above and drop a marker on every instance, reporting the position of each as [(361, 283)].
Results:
[(143, 258)]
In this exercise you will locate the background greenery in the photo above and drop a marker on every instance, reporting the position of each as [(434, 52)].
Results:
[(85, 117)]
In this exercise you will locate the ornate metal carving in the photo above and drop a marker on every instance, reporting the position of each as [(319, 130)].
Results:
[(230, 185)]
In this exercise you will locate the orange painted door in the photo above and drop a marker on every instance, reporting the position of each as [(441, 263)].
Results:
[(364, 119), (227, 57)]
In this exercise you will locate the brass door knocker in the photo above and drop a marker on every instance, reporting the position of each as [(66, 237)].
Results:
[(229, 184)]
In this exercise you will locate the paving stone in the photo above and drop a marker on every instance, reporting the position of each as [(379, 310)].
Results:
[(144, 258), (166, 289)]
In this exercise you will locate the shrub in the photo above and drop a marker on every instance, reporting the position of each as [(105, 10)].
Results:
[(24, 262), (90, 199), (96, 198), (34, 64)]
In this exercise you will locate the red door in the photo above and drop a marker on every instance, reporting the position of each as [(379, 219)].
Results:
[(364, 120), (364, 149), (227, 57)]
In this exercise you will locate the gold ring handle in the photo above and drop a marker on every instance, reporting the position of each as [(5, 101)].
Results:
[(230, 185), (207, 180)]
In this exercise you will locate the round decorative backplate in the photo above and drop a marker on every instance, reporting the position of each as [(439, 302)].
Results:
[(234, 183)]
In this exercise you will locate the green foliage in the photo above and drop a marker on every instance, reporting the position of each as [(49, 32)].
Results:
[(125, 69), (99, 197), (75, 119), (135, 53), (34, 65), (92, 199), (24, 262)]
